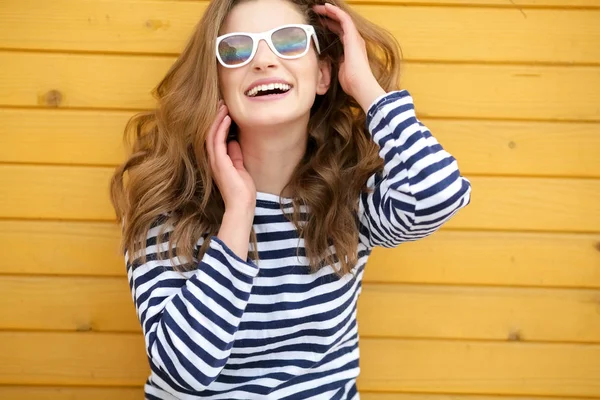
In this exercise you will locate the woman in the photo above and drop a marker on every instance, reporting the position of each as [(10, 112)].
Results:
[(280, 154)]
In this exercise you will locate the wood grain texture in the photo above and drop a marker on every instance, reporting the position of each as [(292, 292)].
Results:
[(434, 33), (136, 393), (516, 6), (532, 204), (475, 91), (62, 136), (482, 147), (447, 257), (70, 393), (542, 204), (389, 365), (61, 248), (57, 192), (478, 367), (491, 258), (419, 311), (501, 304), (463, 396)]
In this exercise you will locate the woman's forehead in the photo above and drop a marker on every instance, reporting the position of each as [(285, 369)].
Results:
[(261, 15)]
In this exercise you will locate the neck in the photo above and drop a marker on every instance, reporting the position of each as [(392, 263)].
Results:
[(272, 153)]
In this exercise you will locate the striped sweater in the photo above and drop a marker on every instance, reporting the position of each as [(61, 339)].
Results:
[(238, 329)]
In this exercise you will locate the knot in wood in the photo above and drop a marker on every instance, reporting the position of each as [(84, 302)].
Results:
[(53, 98)]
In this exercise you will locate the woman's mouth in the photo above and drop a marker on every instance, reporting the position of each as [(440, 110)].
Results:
[(269, 90)]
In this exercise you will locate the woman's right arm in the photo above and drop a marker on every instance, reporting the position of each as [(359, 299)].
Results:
[(189, 321)]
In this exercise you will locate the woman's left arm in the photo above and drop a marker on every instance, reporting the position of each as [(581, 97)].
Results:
[(420, 187)]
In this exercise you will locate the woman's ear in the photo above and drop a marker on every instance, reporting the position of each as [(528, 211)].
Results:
[(324, 79)]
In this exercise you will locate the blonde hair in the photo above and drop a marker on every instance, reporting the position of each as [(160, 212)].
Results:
[(168, 175)]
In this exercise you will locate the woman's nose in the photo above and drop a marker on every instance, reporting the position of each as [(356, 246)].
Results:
[(264, 57)]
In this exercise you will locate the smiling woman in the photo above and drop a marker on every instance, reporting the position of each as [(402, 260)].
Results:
[(245, 255)]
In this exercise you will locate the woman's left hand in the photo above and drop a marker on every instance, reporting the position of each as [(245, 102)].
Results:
[(355, 75)]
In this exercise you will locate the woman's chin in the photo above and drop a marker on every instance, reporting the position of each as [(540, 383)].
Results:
[(268, 118)]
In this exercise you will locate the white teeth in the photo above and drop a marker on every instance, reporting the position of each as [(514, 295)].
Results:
[(264, 88)]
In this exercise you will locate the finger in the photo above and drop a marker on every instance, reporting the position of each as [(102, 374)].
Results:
[(320, 9), (334, 26), (339, 15), (235, 153), (210, 137), (220, 149), (326, 11)]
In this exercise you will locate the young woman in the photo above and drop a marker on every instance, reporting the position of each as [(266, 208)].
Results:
[(280, 153)]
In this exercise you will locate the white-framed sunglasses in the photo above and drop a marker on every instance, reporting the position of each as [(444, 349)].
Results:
[(291, 41)]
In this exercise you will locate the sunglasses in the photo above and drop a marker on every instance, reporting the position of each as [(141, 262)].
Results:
[(288, 42)]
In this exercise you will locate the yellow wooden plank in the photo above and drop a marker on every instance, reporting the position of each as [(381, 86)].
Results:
[(462, 396), (442, 90), (47, 358), (440, 33), (79, 80), (55, 192), (515, 5), (63, 248), (479, 313), (68, 303), (103, 393), (482, 147), (495, 91), (491, 258), (458, 312), (528, 203), (386, 364), (115, 26), (448, 257), (479, 367), (435, 33), (62, 136), (521, 148), (61, 192), (70, 393)]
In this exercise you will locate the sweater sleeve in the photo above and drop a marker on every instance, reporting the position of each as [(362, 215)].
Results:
[(189, 319), (420, 187)]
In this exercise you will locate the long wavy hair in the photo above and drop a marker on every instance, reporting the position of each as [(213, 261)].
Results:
[(167, 175)]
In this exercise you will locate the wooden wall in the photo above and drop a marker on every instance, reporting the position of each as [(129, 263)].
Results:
[(504, 301)]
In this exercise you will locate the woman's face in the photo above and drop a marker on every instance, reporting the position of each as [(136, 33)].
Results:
[(306, 75)]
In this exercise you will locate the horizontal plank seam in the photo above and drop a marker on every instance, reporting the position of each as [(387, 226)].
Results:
[(362, 392), (510, 5), (367, 283), (443, 228), (486, 394), (78, 110), (476, 62), (591, 236), (421, 116), (521, 342), (469, 174)]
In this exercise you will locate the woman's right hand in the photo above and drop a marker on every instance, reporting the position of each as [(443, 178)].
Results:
[(226, 161)]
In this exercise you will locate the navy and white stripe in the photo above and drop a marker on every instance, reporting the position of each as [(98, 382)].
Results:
[(421, 186), (236, 329)]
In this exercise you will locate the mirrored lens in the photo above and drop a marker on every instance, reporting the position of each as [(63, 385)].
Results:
[(235, 49), (290, 41)]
